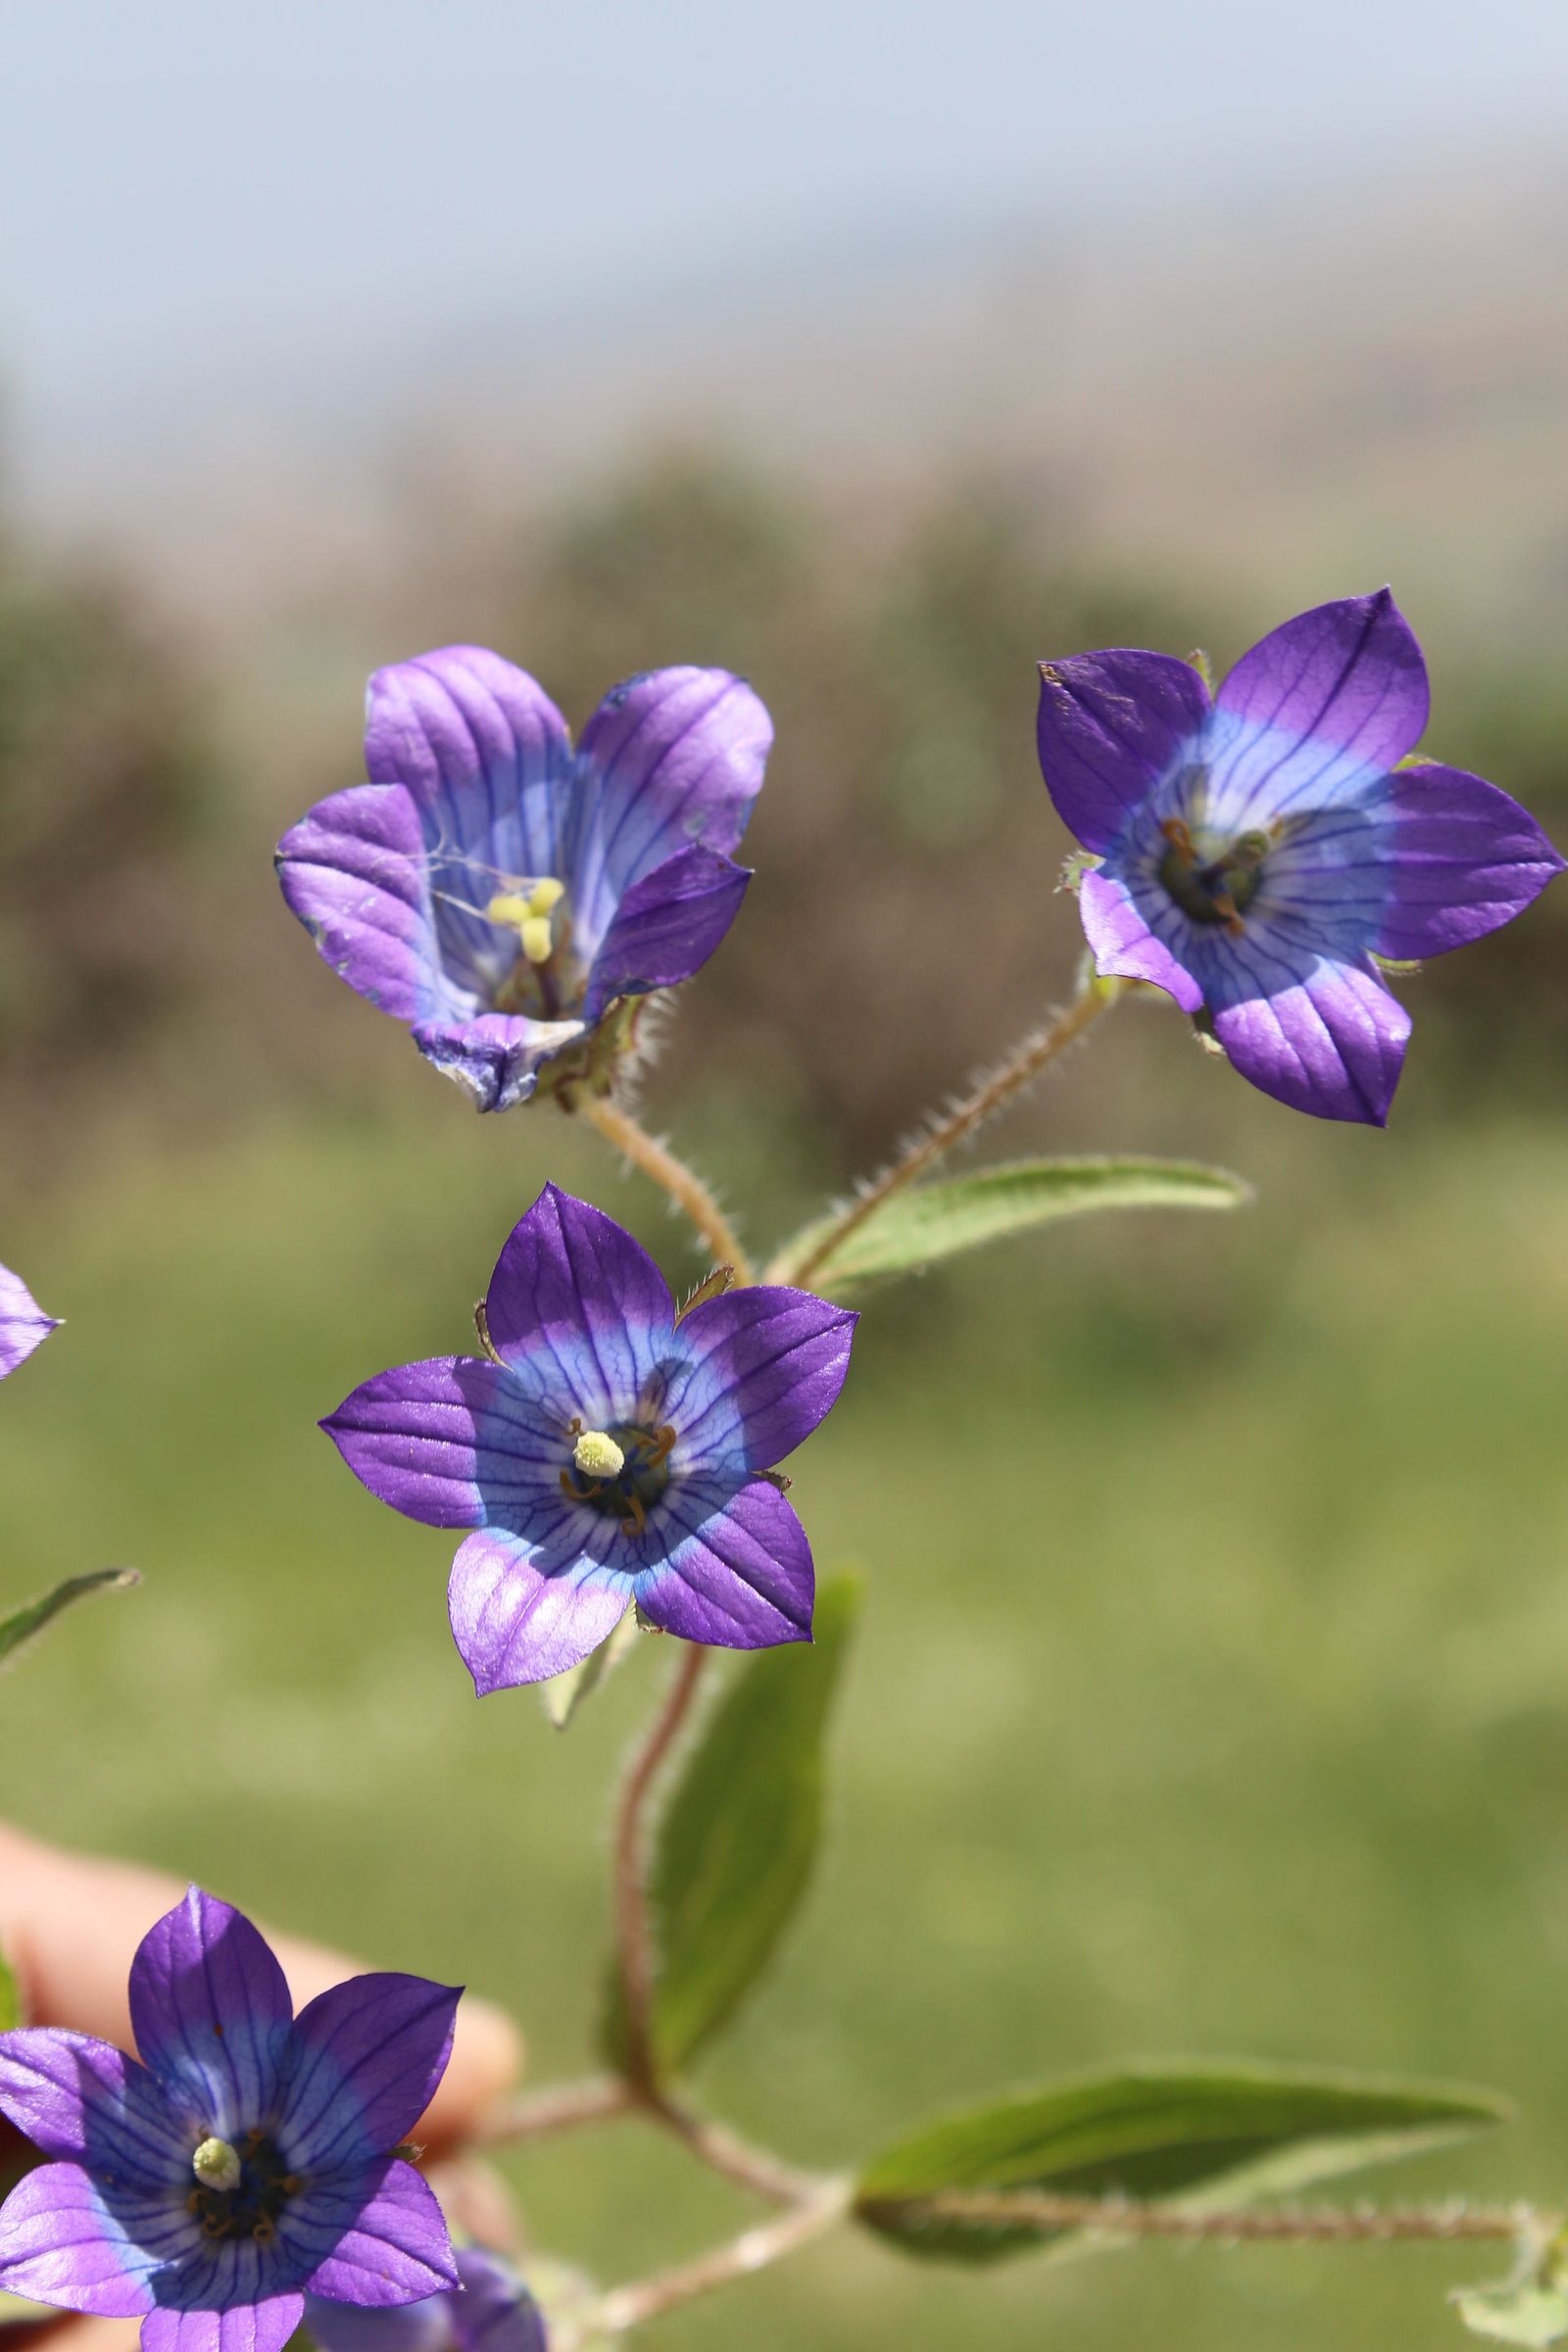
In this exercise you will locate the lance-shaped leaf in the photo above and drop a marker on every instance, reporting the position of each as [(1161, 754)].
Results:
[(564, 1694), (1197, 2134), (31, 1620), (735, 1846), (929, 1222)]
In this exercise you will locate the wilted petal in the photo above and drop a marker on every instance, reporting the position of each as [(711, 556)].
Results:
[(212, 2012), (1323, 1037), (393, 2248), (74, 2096), (453, 1442), (1119, 921), (263, 2327), (573, 1299), (521, 1613), (764, 1365), (363, 2068), (353, 870), (1463, 859), (496, 1056), (740, 1576), (668, 758), (1111, 726), (59, 2245), (666, 926)]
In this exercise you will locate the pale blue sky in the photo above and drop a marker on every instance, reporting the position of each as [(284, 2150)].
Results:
[(197, 191)]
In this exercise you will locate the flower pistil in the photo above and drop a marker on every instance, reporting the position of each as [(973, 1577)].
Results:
[(241, 2193), (621, 1471), (1214, 882)]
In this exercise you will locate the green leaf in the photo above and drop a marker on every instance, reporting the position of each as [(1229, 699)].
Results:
[(564, 1694), (1195, 2133), (1527, 2314), (933, 1221), (10, 1998), (14, 1631), (735, 1847)]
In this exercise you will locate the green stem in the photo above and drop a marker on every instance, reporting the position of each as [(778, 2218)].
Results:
[(756, 2250), (682, 1183)]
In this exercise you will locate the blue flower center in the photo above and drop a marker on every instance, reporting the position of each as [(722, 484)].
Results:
[(1214, 883), (250, 2209), (629, 1491)]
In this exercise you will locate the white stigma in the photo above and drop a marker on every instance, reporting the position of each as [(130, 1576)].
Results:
[(598, 1455), (216, 2164)]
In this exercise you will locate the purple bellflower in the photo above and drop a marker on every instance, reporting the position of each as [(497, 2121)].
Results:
[(1257, 854), (504, 894), (23, 1325), (251, 2156), (490, 2310), (608, 1451)]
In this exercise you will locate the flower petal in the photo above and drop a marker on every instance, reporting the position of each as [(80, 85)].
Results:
[(211, 2010), (1109, 726), (363, 2068), (764, 1365), (741, 1575), (578, 1307), (23, 1326), (1464, 859), (261, 2326), (453, 1442), (672, 756), (494, 2311), (482, 751), (522, 1613), (59, 2245), (496, 1057), (1321, 1035), (1333, 698), (392, 2248), (74, 2096), (666, 926), (426, 2326), (353, 870), (1117, 924)]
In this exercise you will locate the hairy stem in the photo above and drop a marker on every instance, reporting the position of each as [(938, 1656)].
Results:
[(650, 2298), (1315, 2225), (634, 1941), (673, 1177), (724, 2151), (1021, 1067), (558, 2107)]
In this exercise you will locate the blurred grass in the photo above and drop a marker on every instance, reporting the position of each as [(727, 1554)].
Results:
[(1210, 1698)]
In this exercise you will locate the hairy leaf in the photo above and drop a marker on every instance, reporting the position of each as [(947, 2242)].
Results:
[(933, 1221), (1527, 2314), (1199, 2134), (735, 1846), (22, 1627)]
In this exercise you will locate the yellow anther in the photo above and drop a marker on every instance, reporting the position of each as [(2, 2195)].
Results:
[(216, 2164), (538, 943), (508, 907), (598, 1455), (546, 896)]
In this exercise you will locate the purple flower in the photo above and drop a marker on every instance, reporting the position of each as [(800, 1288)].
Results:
[(1256, 855), (501, 892), (23, 1326), (490, 2310), (612, 1452), (251, 2155)]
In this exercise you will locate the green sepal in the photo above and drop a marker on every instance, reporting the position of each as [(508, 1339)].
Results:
[(1195, 2133), (1197, 660), (1074, 866), (735, 1847), (1397, 968), (25, 1623), (564, 1694), (930, 1222)]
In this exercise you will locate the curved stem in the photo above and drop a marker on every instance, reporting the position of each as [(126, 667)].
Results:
[(1118, 2217), (558, 2107), (682, 1183), (634, 1943), (1021, 1067), (755, 2250), (724, 2151)]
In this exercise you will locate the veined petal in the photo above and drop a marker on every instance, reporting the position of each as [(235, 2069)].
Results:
[(1118, 926), (496, 1057), (77, 2097), (668, 758), (740, 1576), (425, 2327), (580, 1308), (353, 870), (1463, 859), (391, 2249), (454, 1442), (263, 2327), (1321, 1035), (666, 926), (211, 2010), (494, 2311), (523, 1612), (23, 1326), (482, 751), (362, 2067), (1333, 697), (764, 1366), (1111, 726), (59, 2245)]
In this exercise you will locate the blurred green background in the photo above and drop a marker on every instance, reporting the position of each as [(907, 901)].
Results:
[(1212, 1696)]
